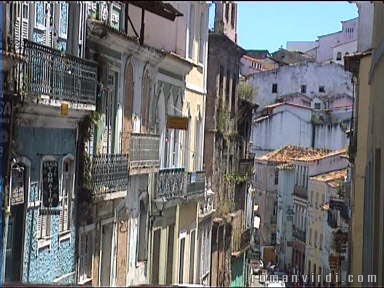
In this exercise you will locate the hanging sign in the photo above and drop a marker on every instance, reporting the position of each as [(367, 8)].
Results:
[(174, 122), (50, 183), (17, 185)]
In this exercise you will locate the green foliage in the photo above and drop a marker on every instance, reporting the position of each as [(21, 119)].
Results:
[(246, 91), (223, 119), (235, 178), (225, 207)]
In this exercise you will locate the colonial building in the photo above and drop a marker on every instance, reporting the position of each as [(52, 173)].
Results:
[(328, 227), (359, 64), (308, 112), (222, 152), (53, 90)]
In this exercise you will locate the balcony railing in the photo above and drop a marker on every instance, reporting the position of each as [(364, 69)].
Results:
[(171, 183), (300, 191), (195, 183), (109, 173), (298, 234), (48, 73), (144, 153), (245, 167)]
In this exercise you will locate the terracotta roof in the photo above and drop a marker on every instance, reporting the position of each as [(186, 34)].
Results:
[(332, 178), (291, 152), (324, 154)]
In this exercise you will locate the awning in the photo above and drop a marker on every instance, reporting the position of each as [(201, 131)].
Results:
[(159, 8)]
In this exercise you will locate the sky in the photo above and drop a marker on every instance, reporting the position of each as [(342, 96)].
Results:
[(269, 25)]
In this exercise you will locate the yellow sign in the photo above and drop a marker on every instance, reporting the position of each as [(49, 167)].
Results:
[(64, 109), (174, 122)]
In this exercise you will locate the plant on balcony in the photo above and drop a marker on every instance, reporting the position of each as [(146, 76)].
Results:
[(235, 178), (85, 132), (245, 91), (225, 206)]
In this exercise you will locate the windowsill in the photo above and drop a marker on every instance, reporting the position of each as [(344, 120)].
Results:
[(44, 243), (65, 235)]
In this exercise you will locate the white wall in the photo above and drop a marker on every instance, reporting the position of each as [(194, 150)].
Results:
[(345, 49), (287, 126), (290, 78)]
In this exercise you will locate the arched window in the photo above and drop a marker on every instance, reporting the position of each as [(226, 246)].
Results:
[(145, 102), (128, 106), (67, 193), (142, 234)]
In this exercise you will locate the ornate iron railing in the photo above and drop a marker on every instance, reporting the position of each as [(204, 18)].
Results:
[(195, 183), (171, 183), (50, 73), (144, 151), (245, 167), (109, 173)]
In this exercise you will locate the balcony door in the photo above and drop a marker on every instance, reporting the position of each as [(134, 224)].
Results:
[(106, 254)]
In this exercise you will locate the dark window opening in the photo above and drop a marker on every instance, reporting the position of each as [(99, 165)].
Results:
[(274, 88), (338, 56), (303, 88), (322, 89), (317, 105)]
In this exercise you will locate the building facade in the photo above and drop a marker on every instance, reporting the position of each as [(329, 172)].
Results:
[(41, 226)]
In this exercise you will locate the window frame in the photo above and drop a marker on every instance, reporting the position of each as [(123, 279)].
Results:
[(66, 233)]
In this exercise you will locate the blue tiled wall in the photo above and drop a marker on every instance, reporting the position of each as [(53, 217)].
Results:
[(44, 265)]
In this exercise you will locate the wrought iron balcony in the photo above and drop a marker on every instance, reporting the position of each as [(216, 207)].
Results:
[(171, 183), (300, 191), (195, 183), (109, 173), (144, 153), (298, 234), (245, 167), (48, 73)]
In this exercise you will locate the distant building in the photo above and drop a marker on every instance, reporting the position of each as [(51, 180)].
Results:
[(285, 57), (331, 47)]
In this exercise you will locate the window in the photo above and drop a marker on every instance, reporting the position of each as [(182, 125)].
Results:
[(276, 176), (310, 236), (317, 106), (181, 260), (40, 15), (63, 20), (338, 56), (191, 31), (142, 235), (233, 16), (202, 37), (192, 256), (227, 12), (66, 194), (321, 89), (303, 88), (321, 241), (233, 101), (273, 238), (274, 88)]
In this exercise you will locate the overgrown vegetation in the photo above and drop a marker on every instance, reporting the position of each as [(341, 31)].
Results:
[(235, 178), (246, 91)]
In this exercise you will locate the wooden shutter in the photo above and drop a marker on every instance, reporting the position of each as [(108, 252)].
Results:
[(38, 227), (21, 23)]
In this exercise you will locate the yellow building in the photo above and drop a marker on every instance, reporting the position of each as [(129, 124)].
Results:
[(359, 64), (326, 218)]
